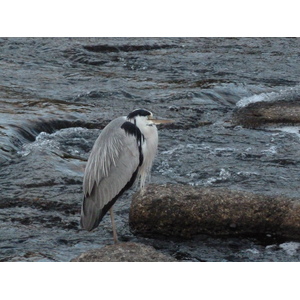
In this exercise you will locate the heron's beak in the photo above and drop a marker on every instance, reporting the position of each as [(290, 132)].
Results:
[(161, 121)]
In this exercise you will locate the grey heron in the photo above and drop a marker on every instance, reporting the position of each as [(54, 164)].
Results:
[(122, 154)]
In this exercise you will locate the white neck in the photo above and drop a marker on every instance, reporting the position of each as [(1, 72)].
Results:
[(149, 146)]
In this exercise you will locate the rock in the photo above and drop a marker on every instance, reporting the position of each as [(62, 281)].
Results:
[(268, 113), (265, 109), (185, 211), (290, 226), (124, 252)]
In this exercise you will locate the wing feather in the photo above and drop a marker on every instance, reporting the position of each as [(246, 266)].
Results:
[(111, 168)]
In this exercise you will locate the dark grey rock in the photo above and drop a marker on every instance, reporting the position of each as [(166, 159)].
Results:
[(185, 211), (124, 252)]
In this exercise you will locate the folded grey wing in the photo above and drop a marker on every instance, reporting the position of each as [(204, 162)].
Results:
[(111, 168)]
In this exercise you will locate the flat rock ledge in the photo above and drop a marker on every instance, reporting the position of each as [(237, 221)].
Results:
[(124, 252), (262, 114), (185, 211)]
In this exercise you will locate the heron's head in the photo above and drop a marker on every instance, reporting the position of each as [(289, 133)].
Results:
[(145, 117)]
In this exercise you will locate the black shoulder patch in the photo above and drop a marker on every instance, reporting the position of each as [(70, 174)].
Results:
[(132, 129), (139, 112)]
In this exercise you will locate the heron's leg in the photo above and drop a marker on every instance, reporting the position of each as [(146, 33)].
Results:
[(113, 225)]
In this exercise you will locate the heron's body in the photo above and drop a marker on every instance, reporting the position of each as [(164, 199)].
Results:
[(123, 153)]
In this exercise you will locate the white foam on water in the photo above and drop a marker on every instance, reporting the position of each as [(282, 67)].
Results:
[(271, 151), (288, 94), (290, 129), (50, 141), (224, 175), (247, 174), (255, 98), (291, 248), (253, 251), (171, 151), (42, 141)]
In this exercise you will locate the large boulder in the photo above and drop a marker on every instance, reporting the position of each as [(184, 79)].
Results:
[(282, 108), (124, 252), (185, 211), (265, 113)]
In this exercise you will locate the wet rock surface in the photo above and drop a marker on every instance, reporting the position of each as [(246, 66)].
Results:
[(269, 109), (265, 114), (186, 211), (124, 252)]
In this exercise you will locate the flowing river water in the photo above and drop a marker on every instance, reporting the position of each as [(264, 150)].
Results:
[(56, 94)]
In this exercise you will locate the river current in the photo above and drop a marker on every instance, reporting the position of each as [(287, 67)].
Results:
[(56, 95)]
